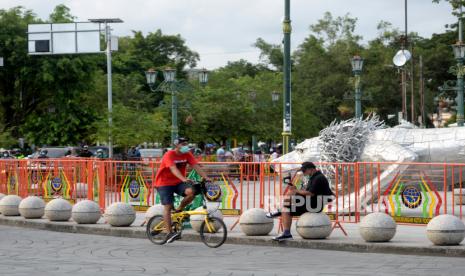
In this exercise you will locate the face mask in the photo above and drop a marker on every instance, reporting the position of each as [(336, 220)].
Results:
[(184, 149)]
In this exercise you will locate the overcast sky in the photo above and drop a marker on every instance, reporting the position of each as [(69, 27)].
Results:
[(224, 30)]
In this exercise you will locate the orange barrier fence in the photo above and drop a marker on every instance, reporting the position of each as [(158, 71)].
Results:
[(409, 192)]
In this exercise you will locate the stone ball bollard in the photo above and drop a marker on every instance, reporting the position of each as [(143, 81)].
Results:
[(154, 211), (58, 210), (120, 214), (254, 222), (445, 230), (32, 207), (1, 196), (86, 212), (196, 220), (377, 227), (9, 205), (314, 226)]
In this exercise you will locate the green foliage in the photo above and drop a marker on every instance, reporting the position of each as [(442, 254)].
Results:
[(132, 126), (60, 100)]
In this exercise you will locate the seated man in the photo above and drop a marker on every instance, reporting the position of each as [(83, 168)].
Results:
[(311, 198)]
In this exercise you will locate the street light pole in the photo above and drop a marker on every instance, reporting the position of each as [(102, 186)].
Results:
[(287, 120), (459, 53), (172, 86), (109, 90), (107, 21), (459, 49), (357, 66)]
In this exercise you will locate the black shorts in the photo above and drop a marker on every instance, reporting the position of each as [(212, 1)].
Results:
[(167, 192), (307, 207)]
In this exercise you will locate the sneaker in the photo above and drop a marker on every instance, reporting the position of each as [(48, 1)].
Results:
[(172, 237), (273, 214), (283, 237)]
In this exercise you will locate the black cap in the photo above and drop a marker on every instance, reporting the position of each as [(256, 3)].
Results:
[(307, 165), (180, 140)]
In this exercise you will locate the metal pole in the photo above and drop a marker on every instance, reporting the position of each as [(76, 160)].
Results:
[(109, 91), (404, 93), (460, 92), (174, 117), (460, 72), (287, 110), (422, 95), (358, 96), (412, 86)]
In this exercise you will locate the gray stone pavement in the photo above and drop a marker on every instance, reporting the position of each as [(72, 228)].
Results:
[(409, 240), (37, 252)]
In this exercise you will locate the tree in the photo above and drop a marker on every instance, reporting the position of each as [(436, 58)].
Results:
[(271, 55), (132, 126)]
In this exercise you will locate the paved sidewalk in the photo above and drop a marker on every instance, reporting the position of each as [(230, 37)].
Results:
[(410, 240), (26, 252)]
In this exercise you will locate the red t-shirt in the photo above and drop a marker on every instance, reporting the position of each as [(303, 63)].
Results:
[(164, 175)]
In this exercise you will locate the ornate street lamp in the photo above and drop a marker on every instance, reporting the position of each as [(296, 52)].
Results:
[(459, 50), (169, 74), (357, 64), (357, 67), (275, 96), (203, 76), (151, 76), (172, 86)]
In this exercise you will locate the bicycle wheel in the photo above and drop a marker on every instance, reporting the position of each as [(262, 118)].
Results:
[(156, 230), (213, 232)]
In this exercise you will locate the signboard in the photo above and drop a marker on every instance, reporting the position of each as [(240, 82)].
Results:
[(1, 61), (64, 38)]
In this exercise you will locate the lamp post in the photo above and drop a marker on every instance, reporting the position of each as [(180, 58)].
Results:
[(108, 50), (287, 110), (274, 96), (459, 53), (357, 66), (203, 77), (172, 86)]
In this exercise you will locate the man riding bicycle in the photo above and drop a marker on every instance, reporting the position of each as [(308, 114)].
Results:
[(171, 179)]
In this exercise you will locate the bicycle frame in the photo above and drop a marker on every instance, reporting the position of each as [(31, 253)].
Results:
[(181, 216)]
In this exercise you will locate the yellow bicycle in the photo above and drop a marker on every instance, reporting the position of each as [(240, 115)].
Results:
[(213, 231)]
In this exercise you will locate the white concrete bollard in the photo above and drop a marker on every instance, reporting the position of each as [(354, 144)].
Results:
[(254, 222), (120, 214), (1, 196), (196, 220), (58, 210), (32, 207), (154, 211), (314, 226), (377, 227), (86, 212), (9, 205), (445, 230)]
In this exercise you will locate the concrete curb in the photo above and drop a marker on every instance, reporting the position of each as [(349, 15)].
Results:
[(188, 235)]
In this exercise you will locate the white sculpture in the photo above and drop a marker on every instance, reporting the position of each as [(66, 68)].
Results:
[(370, 141)]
